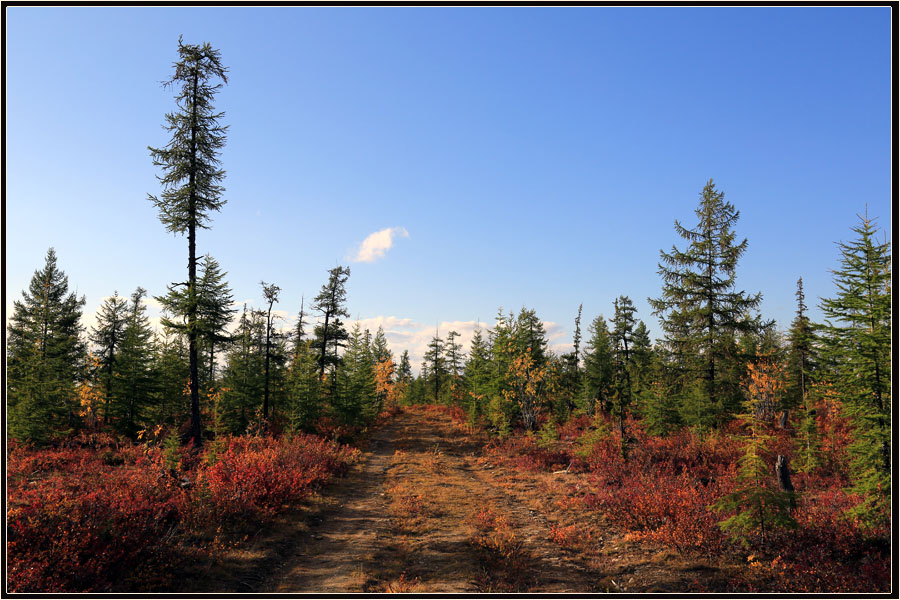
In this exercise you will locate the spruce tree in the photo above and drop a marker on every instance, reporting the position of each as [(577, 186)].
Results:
[(135, 367), (270, 293), (598, 368), (622, 343), (214, 311), (404, 371), (571, 369), (331, 335), (171, 405), (801, 359), (701, 311), (191, 179), (44, 356), (243, 376), (437, 366), (107, 336), (857, 336), (477, 375)]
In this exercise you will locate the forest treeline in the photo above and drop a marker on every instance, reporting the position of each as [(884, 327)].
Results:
[(719, 359)]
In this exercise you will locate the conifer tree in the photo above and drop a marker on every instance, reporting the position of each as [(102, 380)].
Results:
[(44, 356), (214, 312), (658, 400), (801, 353), (355, 402), (404, 371), (383, 362), (243, 377), (700, 310), (270, 293), (135, 367), (570, 369), (757, 506), (477, 375), (622, 343), (107, 335), (857, 335), (641, 357), (530, 336), (437, 366), (191, 180), (380, 350), (598, 368), (331, 304), (171, 405)]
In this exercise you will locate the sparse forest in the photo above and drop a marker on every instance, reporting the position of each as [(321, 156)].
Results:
[(763, 456)]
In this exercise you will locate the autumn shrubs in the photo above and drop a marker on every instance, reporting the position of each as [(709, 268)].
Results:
[(668, 489), (100, 517)]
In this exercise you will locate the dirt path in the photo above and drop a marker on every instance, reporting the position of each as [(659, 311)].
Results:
[(425, 511)]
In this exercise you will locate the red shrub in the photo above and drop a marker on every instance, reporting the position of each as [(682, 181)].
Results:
[(83, 519)]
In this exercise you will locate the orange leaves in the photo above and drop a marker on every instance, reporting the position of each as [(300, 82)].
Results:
[(765, 385)]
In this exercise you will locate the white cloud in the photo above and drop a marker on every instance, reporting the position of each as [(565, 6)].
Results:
[(377, 244)]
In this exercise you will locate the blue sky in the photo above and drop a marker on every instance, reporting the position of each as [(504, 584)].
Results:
[(531, 156)]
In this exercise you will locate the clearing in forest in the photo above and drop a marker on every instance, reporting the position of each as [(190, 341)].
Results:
[(424, 510)]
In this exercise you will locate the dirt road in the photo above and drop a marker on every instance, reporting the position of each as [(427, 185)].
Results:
[(425, 511)]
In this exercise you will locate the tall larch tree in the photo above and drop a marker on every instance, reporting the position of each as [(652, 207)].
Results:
[(700, 309), (857, 336), (191, 179), (44, 356)]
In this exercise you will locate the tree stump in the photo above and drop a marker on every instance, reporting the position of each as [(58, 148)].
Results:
[(783, 473), (782, 421)]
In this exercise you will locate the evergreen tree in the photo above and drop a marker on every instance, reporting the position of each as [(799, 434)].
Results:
[(455, 367), (530, 336), (436, 366), (270, 293), (801, 353), (478, 376), (857, 332), (214, 312), (135, 367), (299, 333), (658, 400), (801, 361), (598, 368), (44, 356), (622, 343), (700, 310), (380, 350), (570, 370), (331, 304), (455, 356), (243, 377), (171, 403), (404, 371), (107, 335), (356, 402), (191, 180), (642, 356)]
